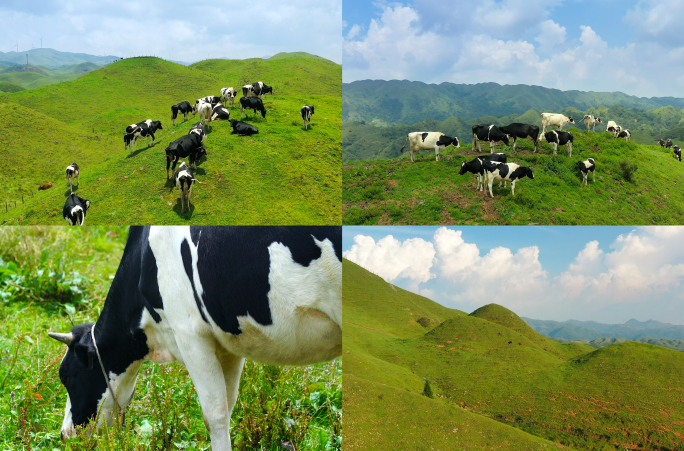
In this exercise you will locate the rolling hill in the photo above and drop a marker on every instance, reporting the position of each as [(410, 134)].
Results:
[(53, 59), (284, 175), (497, 384)]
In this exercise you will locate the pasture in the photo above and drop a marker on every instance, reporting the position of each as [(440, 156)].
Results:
[(51, 278), (396, 191), (283, 175)]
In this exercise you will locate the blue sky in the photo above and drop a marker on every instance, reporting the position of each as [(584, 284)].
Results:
[(173, 29), (605, 274), (610, 45)]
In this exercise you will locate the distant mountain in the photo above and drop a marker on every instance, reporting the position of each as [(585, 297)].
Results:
[(677, 345), (406, 102), (54, 59), (632, 330)]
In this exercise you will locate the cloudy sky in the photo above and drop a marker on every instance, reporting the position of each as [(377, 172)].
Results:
[(633, 46), (604, 274), (173, 29)]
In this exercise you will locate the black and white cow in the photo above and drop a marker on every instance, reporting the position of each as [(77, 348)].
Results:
[(72, 174), (212, 100), (199, 130), (668, 144), (418, 141), (677, 153), (307, 112), (556, 138), (613, 128), (219, 113), (204, 111), (591, 121), (209, 298), (505, 172), (183, 179), (523, 131), (488, 133), (625, 134), (228, 95), (143, 129), (242, 128), (555, 120), (585, 167), (75, 209), (257, 89), (183, 108), (188, 146), (476, 166), (661, 141), (252, 103)]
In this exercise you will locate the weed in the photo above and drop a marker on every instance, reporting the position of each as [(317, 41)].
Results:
[(627, 169)]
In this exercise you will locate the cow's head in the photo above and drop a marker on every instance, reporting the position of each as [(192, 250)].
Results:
[(528, 173), (505, 140), (233, 122), (599, 121), (464, 168), (263, 112), (571, 120), (157, 125)]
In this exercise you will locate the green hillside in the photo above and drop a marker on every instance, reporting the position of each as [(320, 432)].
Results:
[(396, 191), (6, 86), (491, 366), (283, 175), (53, 59)]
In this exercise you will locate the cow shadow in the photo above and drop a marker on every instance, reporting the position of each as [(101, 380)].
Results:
[(178, 209), (68, 192), (137, 151)]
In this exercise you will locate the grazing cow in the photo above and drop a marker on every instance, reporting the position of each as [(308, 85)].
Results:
[(556, 138), (585, 168), (554, 119), (252, 103), (242, 128), (204, 111), (626, 134), (183, 108), (307, 112), (518, 130), (257, 89), (75, 209), (228, 95), (219, 113), (44, 187), (187, 146), (212, 100), (668, 144), (677, 153), (613, 128), (476, 166), (199, 130), (183, 179), (661, 141), (171, 299), (141, 130), (506, 172), (490, 133), (72, 175), (591, 121), (427, 141)]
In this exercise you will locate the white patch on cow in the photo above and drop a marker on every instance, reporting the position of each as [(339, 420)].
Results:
[(160, 338), (67, 430), (417, 143)]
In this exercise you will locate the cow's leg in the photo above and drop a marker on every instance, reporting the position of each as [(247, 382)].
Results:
[(479, 182), (232, 369), (168, 163), (490, 182), (436, 153), (570, 149), (555, 147), (513, 188), (593, 175)]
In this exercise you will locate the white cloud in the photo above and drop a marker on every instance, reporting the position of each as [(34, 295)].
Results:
[(353, 31), (551, 36), (658, 20)]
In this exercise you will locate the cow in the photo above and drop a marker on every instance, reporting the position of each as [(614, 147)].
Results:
[(661, 141), (591, 121), (183, 108), (208, 297), (72, 174), (219, 113), (490, 133), (228, 95), (199, 130), (554, 119), (585, 167), (307, 111), (556, 138), (626, 134), (476, 166), (75, 209), (252, 103), (668, 144), (613, 128), (507, 172), (143, 129), (427, 141), (257, 89), (242, 128), (518, 130), (187, 146), (677, 153), (212, 100), (204, 111), (183, 179)]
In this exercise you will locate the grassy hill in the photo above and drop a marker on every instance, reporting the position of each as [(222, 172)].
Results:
[(284, 175), (497, 384), (30, 77), (396, 191), (53, 59)]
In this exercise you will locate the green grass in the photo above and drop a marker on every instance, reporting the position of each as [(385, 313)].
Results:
[(50, 277), (284, 175), (490, 365), (396, 191)]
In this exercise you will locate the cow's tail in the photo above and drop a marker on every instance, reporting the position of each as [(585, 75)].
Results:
[(405, 142)]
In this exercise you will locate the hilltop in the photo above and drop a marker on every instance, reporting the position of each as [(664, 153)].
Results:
[(52, 58), (497, 383), (283, 175)]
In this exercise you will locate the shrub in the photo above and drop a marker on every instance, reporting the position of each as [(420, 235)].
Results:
[(425, 322), (427, 390), (627, 170)]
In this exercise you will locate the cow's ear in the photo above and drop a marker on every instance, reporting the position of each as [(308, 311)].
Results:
[(85, 353)]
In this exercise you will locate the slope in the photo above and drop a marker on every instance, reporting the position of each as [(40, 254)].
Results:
[(54, 58), (623, 396), (283, 175)]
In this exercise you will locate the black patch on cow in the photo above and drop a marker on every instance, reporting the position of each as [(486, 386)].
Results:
[(520, 173), (503, 170), (187, 264), (148, 284), (424, 135)]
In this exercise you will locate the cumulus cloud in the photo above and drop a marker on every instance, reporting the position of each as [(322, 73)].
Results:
[(658, 20), (551, 36)]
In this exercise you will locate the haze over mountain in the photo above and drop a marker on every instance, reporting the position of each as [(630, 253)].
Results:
[(53, 59)]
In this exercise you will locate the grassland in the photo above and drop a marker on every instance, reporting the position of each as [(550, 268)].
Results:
[(497, 384), (396, 191), (283, 175), (51, 278)]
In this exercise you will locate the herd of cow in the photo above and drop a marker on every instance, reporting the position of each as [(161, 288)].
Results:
[(190, 146), (494, 167)]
